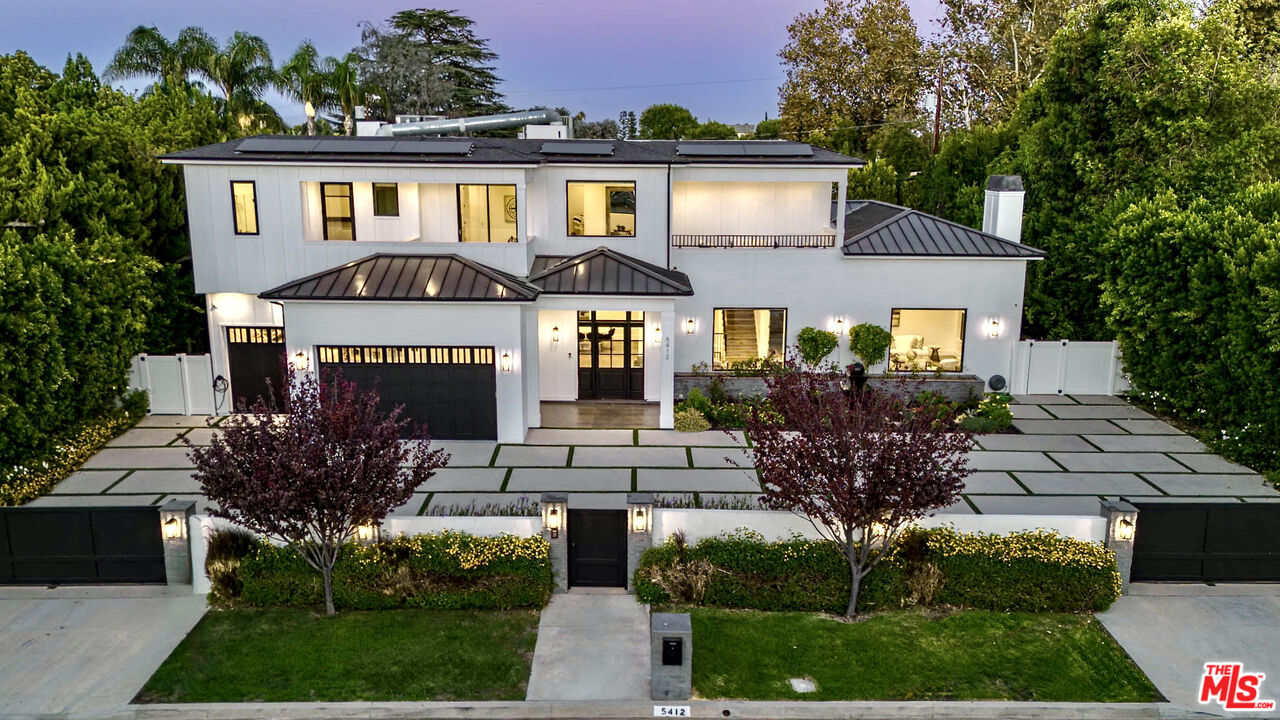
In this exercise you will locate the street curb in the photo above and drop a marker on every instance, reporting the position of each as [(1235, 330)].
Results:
[(784, 710)]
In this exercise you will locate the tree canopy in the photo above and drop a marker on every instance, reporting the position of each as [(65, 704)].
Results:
[(666, 122)]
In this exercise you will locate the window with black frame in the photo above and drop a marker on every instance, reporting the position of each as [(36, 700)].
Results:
[(601, 209), (386, 200), (244, 207), (338, 211), (745, 336), (487, 213)]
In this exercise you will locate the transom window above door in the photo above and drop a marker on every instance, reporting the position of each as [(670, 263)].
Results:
[(338, 213), (487, 213), (742, 336), (601, 209), (927, 340)]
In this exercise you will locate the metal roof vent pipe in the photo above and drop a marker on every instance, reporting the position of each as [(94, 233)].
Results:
[(1002, 207), (471, 124)]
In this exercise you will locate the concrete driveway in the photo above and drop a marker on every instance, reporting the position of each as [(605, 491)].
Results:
[(86, 649), (1171, 631)]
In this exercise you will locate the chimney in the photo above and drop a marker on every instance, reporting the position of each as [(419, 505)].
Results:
[(1002, 208)]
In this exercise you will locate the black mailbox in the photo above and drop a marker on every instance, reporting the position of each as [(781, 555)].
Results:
[(672, 651)]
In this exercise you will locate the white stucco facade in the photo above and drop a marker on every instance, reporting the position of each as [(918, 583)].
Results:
[(816, 285)]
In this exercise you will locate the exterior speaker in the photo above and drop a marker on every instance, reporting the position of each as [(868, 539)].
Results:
[(997, 383)]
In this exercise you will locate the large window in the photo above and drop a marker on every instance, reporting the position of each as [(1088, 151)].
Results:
[(244, 207), (600, 209), (742, 335), (927, 340), (339, 215), (487, 213), (386, 200)]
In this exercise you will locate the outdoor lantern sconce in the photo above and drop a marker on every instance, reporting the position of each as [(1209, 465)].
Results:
[(555, 334), (639, 520), (506, 362), (553, 522), (688, 326), (366, 533), (839, 326), (173, 528), (993, 328), (1125, 529), (300, 361)]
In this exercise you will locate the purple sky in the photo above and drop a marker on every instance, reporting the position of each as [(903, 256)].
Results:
[(716, 57)]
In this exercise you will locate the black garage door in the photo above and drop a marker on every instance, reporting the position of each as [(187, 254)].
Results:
[(452, 390), (1207, 542), (40, 546), (254, 356)]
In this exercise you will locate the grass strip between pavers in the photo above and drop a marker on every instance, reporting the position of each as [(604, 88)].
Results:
[(287, 655), (913, 655)]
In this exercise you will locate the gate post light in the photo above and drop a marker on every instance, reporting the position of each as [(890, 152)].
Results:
[(172, 528), (175, 516), (1121, 529), (639, 530), (1125, 529), (554, 506), (367, 533)]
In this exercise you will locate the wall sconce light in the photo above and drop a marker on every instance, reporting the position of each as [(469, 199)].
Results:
[(689, 326), (657, 334), (993, 327), (555, 334), (1125, 529), (839, 326), (366, 533), (506, 362), (172, 528), (299, 361), (638, 521), (553, 522)]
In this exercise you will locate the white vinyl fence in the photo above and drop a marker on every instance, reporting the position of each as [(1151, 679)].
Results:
[(1064, 367), (176, 384)]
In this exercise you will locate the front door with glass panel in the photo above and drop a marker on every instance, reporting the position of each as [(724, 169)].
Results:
[(611, 355)]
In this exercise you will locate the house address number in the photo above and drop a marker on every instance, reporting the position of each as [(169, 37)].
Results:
[(681, 711)]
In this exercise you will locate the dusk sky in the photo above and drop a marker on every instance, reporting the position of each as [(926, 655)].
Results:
[(716, 57)]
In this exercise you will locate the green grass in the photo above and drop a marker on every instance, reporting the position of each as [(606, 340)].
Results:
[(277, 655), (910, 655)]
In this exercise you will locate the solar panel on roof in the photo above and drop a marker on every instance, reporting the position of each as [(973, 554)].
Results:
[(709, 148), (432, 147), (576, 147), (744, 148), (767, 149), (360, 145), (270, 144)]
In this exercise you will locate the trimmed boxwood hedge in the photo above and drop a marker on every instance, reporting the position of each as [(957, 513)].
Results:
[(1026, 572), (449, 570)]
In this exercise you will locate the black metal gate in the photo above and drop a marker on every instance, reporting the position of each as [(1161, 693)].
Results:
[(452, 390), (72, 545), (1207, 542), (254, 356), (597, 548)]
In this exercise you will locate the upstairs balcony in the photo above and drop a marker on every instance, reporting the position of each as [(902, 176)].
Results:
[(817, 240), (727, 215)]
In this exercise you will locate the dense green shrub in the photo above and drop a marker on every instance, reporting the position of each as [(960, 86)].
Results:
[(1029, 571), (226, 549), (992, 414), (449, 570), (869, 343), (690, 420), (814, 344)]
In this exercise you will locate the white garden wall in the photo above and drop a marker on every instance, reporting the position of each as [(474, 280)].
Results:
[(776, 525), (175, 384)]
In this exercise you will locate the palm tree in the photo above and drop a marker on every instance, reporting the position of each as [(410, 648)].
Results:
[(303, 79), (241, 69), (345, 88), (148, 53)]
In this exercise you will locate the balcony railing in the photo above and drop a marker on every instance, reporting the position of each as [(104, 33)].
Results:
[(753, 241)]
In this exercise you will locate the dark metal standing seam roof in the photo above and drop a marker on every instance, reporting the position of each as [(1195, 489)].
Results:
[(876, 228), (407, 277), (605, 272)]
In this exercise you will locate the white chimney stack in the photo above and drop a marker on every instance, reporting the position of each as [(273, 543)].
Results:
[(1002, 208)]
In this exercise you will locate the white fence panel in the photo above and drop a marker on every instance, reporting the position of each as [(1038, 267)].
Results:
[(775, 525), (1064, 367), (175, 384)]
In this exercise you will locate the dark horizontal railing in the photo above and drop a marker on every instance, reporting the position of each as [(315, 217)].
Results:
[(753, 241)]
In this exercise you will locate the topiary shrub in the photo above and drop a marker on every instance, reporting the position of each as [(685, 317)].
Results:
[(226, 548), (690, 420), (869, 343), (814, 344)]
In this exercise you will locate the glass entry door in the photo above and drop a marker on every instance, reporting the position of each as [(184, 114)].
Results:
[(611, 355)]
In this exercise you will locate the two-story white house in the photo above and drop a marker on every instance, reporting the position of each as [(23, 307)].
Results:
[(477, 278)]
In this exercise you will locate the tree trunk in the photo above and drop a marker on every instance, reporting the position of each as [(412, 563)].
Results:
[(327, 573), (311, 126), (854, 586), (347, 124)]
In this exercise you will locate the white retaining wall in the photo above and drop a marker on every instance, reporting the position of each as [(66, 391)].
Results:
[(175, 384), (779, 525), (1065, 367)]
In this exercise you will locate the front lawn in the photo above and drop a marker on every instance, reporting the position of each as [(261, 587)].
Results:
[(280, 655), (912, 655)]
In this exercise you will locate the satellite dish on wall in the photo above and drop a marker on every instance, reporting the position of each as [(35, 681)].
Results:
[(997, 382)]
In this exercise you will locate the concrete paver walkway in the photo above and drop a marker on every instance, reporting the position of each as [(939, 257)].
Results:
[(591, 646), (73, 649), (1172, 630)]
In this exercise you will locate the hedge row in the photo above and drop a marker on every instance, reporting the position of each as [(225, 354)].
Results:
[(449, 570), (1028, 571)]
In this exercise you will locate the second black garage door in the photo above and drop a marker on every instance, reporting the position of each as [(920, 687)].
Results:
[(453, 390)]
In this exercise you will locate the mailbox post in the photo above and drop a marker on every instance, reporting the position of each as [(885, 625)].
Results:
[(671, 656)]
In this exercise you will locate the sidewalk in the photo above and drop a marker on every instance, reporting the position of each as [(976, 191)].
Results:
[(591, 646)]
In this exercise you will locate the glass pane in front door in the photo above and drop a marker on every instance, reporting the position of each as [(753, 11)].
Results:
[(611, 355)]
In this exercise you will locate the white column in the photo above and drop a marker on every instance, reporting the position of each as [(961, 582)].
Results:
[(666, 407), (532, 369)]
